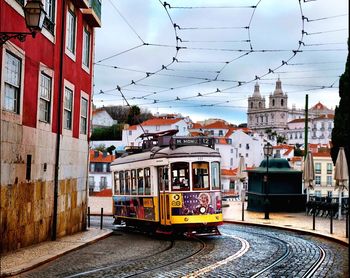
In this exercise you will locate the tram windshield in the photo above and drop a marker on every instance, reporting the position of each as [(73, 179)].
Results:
[(200, 175), (215, 175), (180, 176)]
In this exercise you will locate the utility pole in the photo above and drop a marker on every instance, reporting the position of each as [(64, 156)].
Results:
[(306, 124)]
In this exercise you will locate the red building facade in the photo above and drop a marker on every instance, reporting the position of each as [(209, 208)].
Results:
[(46, 89)]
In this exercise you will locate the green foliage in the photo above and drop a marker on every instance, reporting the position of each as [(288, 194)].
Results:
[(341, 130), (110, 149), (133, 115), (107, 133)]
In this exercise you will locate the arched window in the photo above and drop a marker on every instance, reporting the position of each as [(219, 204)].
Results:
[(273, 102), (251, 105), (281, 102), (259, 104)]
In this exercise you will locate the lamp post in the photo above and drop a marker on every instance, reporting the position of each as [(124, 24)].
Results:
[(267, 152), (34, 16)]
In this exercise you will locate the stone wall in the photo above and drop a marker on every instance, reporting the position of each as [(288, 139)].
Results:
[(27, 210), (26, 214)]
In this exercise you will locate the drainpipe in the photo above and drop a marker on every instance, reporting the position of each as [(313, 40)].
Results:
[(59, 123), (306, 124)]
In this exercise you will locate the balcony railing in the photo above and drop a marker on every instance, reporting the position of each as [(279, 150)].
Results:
[(93, 14)]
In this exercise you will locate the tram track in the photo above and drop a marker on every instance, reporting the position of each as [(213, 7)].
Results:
[(141, 261)]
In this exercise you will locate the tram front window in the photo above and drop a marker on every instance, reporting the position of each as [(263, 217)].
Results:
[(215, 175), (200, 175), (180, 176), (140, 181), (147, 181)]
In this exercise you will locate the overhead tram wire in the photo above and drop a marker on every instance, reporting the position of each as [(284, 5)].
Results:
[(324, 18), (270, 70)]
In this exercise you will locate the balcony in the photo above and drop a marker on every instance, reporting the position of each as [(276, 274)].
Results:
[(93, 14), (83, 4)]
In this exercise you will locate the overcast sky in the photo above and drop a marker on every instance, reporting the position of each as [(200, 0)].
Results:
[(206, 66)]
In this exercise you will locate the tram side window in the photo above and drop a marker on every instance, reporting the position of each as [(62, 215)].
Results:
[(127, 182), (147, 181), (215, 175), (200, 175), (133, 182), (180, 176), (140, 181), (122, 182), (116, 183), (163, 180)]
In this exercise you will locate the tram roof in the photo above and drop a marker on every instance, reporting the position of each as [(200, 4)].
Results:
[(185, 151)]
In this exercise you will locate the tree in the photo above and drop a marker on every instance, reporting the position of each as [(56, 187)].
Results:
[(110, 149), (133, 115), (341, 130)]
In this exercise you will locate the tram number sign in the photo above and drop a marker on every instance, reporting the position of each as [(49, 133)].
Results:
[(186, 141)]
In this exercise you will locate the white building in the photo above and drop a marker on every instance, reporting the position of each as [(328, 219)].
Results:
[(101, 118), (319, 130), (100, 176)]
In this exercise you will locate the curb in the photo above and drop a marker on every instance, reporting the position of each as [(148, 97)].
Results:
[(297, 230), (51, 258)]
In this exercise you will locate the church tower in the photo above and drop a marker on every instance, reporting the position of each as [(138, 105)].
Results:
[(278, 107), (256, 103)]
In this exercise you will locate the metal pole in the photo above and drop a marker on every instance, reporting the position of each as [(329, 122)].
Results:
[(59, 125), (267, 216), (88, 217), (313, 218), (101, 221), (306, 124), (331, 228), (243, 210), (347, 224)]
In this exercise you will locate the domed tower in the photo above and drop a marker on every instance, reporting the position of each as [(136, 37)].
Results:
[(256, 103), (278, 107)]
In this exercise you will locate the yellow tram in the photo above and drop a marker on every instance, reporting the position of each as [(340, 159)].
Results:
[(171, 187)]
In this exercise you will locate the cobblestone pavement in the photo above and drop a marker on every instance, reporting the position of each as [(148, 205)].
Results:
[(269, 252)]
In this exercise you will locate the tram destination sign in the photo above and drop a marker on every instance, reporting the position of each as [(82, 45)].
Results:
[(192, 141)]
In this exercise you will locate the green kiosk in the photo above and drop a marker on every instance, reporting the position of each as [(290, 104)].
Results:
[(276, 188)]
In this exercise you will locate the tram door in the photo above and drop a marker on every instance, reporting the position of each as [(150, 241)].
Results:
[(163, 185)]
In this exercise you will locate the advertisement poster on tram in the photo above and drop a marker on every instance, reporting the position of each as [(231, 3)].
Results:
[(197, 203)]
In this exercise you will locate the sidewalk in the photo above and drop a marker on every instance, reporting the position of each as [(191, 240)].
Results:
[(292, 221), (32, 256)]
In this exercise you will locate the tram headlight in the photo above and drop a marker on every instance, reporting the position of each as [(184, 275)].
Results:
[(202, 210)]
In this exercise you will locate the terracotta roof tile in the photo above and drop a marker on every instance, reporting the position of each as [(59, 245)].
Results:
[(216, 125), (107, 159), (103, 193), (159, 121)]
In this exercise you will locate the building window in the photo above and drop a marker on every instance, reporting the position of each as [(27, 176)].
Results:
[(231, 150), (231, 162), (329, 194), (318, 180), (329, 168), (246, 155), (247, 146), (318, 168), (86, 48), (83, 116), (329, 180), (68, 104), (130, 132), (71, 20), (12, 83), (318, 193), (49, 21), (92, 167), (45, 98), (221, 133)]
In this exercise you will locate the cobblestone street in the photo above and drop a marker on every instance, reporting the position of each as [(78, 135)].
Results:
[(241, 251)]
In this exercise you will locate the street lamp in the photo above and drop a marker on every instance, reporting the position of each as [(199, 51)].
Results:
[(34, 16), (267, 152)]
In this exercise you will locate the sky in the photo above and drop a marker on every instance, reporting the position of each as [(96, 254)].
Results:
[(202, 58)]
